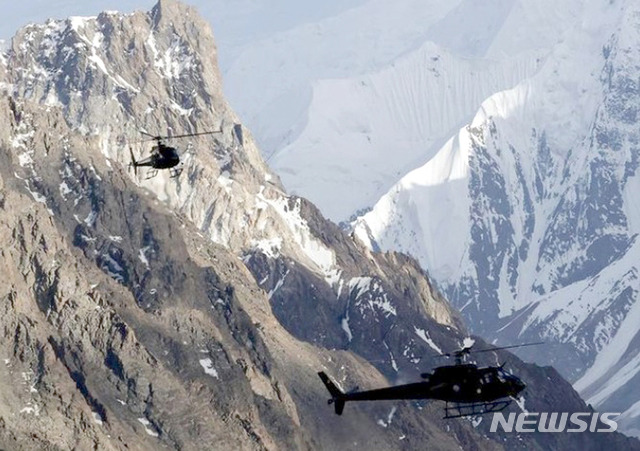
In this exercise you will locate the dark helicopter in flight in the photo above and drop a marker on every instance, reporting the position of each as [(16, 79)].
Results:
[(469, 389), (162, 156)]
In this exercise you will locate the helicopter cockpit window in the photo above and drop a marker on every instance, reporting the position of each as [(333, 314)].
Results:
[(501, 376)]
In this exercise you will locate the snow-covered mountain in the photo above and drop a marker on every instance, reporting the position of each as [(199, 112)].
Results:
[(528, 218), (386, 123), (384, 87)]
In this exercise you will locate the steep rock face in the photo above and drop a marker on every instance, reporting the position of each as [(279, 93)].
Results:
[(539, 190), (110, 352), (125, 327), (192, 312)]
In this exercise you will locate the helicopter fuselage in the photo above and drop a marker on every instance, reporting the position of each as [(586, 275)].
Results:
[(468, 383), (457, 383), (471, 390), (163, 157)]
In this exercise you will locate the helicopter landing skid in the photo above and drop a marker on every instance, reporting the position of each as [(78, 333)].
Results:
[(151, 173), (459, 410)]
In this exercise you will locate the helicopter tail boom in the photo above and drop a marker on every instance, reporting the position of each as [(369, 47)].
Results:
[(337, 396)]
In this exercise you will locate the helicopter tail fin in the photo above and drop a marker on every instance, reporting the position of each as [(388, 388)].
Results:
[(337, 397), (134, 163)]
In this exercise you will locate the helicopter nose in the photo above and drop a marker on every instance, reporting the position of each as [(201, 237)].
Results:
[(517, 386)]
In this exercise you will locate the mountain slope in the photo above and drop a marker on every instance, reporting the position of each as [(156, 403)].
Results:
[(385, 87), (410, 107)]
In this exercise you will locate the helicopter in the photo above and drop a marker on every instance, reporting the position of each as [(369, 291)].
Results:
[(162, 156), (470, 390)]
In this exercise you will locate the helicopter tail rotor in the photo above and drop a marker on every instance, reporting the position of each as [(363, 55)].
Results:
[(133, 163), (337, 397)]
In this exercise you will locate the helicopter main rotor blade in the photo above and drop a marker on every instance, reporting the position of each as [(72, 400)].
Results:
[(508, 347), (150, 135), (160, 138), (468, 349), (193, 134), (157, 138), (460, 352)]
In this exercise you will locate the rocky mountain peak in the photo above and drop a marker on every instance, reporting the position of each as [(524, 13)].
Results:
[(173, 13), (136, 62)]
